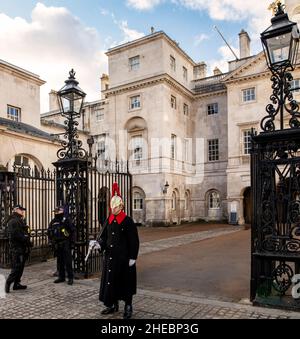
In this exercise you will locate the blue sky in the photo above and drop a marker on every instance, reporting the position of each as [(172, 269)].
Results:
[(36, 34)]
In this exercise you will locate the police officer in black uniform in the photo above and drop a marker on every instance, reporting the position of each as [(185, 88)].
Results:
[(61, 238), (19, 240)]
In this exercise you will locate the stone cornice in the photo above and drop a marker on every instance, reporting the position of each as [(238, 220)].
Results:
[(210, 94), (21, 73), (162, 78), (145, 40), (12, 134)]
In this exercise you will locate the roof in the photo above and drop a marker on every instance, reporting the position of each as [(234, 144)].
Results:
[(22, 72), (151, 36), (22, 128)]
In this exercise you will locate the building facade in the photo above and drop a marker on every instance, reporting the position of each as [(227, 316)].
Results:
[(185, 135), (22, 138)]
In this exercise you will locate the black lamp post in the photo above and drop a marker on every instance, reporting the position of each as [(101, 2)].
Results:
[(72, 169), (280, 42)]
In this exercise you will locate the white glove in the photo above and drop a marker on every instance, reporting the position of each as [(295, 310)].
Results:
[(93, 245), (131, 262)]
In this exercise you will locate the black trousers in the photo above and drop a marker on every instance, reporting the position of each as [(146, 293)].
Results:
[(64, 260), (17, 268)]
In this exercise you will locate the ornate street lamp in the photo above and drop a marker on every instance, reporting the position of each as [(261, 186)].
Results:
[(71, 99), (280, 42), (72, 169)]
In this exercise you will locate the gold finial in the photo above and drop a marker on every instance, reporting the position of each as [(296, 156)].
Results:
[(274, 6)]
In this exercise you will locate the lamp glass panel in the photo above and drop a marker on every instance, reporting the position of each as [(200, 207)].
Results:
[(279, 48)]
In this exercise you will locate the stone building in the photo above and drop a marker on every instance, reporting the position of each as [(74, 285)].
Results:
[(186, 135), (22, 139)]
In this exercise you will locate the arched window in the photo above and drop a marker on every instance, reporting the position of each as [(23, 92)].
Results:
[(214, 200), (25, 164), (138, 201), (173, 201), (186, 201)]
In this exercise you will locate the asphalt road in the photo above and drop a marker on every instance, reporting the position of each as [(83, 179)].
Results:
[(215, 268)]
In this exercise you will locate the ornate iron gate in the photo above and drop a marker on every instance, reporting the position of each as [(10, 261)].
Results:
[(276, 219), (40, 191)]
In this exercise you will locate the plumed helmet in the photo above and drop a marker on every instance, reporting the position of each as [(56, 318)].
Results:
[(116, 199)]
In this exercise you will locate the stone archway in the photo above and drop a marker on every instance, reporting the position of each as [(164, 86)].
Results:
[(247, 205)]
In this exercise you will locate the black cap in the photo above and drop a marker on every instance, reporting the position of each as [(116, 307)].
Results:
[(19, 207), (58, 209)]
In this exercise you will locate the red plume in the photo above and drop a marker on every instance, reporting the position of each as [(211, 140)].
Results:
[(115, 190)]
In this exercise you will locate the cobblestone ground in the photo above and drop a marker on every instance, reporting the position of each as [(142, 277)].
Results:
[(43, 299)]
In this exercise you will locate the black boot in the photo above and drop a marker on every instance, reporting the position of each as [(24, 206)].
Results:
[(127, 312), (59, 280), (112, 309), (70, 281), (7, 286), (18, 286)]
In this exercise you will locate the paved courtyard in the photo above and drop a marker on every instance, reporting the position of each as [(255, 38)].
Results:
[(170, 285)]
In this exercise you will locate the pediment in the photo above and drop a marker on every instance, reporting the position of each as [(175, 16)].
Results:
[(253, 66)]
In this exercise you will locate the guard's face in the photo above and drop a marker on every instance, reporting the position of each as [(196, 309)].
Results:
[(116, 205), (20, 212)]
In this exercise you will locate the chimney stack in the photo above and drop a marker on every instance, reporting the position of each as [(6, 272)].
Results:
[(244, 44), (200, 71), (53, 101), (217, 71), (104, 84)]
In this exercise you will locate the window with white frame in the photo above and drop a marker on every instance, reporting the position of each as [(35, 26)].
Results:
[(14, 113), (172, 63), (185, 150), (247, 141), (101, 146), (22, 165), (213, 108), (137, 142), (214, 200), (295, 86), (173, 146), (134, 63), (185, 73), (173, 201), (185, 109), (249, 94), (138, 201), (135, 102), (213, 150), (99, 114), (173, 102)]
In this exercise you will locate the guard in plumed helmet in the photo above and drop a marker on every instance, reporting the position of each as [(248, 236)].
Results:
[(120, 243), (61, 239)]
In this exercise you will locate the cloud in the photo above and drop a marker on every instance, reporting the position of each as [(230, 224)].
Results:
[(200, 38), (225, 56), (257, 15), (143, 4), (50, 44), (128, 33)]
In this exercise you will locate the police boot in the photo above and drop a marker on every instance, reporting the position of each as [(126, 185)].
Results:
[(112, 309), (18, 286), (70, 281), (127, 312)]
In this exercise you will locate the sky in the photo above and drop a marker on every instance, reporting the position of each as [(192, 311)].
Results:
[(49, 37)]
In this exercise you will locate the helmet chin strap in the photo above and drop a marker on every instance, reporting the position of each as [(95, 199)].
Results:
[(117, 210)]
